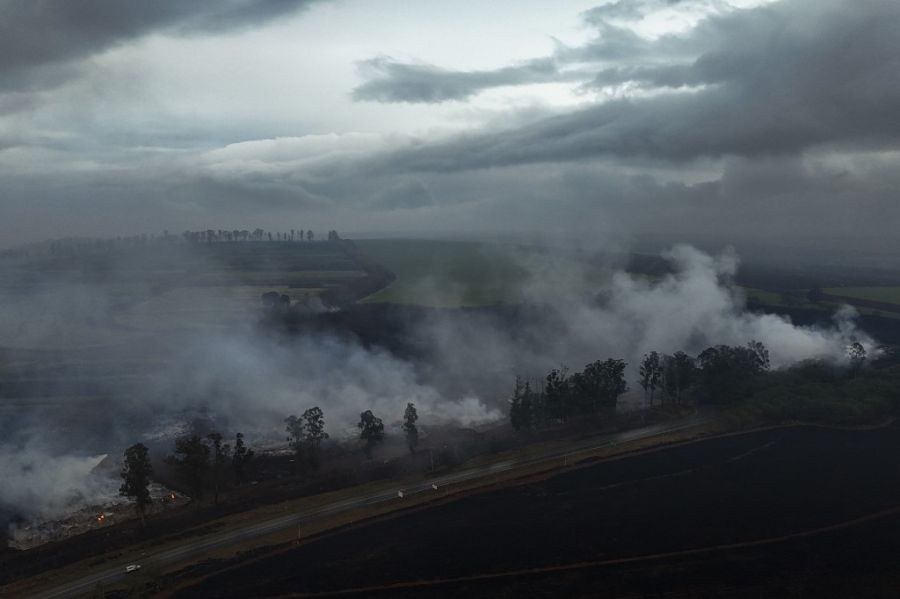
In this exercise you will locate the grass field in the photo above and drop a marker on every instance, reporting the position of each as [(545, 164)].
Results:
[(888, 295), (468, 274), (797, 300), (103, 298), (778, 300), (203, 307)]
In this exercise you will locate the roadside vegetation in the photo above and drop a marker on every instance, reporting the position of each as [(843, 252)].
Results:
[(737, 381), (207, 465)]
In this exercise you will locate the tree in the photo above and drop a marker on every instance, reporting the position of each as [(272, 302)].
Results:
[(556, 395), (371, 431), (516, 415), (522, 406), (599, 385), (191, 459), (240, 458), (409, 427), (651, 372), (296, 434), (677, 374), (857, 354), (220, 454), (759, 356), (309, 235), (314, 430), (136, 478), (728, 372)]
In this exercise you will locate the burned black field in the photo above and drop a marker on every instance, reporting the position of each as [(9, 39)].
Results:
[(752, 504)]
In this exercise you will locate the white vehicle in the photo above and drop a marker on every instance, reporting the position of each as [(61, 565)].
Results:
[(132, 568)]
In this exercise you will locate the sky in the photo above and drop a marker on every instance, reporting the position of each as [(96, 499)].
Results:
[(776, 121)]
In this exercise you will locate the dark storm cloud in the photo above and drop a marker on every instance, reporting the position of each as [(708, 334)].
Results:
[(38, 35), (670, 76), (773, 80), (391, 81), (777, 120), (388, 80)]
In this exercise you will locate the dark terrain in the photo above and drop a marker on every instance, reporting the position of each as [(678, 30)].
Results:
[(752, 487)]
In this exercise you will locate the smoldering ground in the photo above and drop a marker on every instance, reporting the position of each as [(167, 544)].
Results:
[(247, 378)]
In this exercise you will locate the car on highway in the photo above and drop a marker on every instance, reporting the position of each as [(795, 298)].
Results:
[(132, 568)]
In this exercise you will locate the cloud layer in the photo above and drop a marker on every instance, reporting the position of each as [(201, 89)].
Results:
[(680, 118)]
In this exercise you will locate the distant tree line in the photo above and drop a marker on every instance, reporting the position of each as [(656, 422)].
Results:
[(222, 235), (596, 389), (721, 375), (75, 246)]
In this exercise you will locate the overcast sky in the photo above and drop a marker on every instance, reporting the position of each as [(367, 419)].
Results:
[(745, 119)]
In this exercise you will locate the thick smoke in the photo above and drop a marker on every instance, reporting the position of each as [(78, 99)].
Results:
[(255, 380), (244, 378), (689, 310), (39, 483), (694, 308)]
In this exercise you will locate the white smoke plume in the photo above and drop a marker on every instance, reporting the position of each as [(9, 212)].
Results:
[(256, 381), (250, 381), (693, 308), (43, 484)]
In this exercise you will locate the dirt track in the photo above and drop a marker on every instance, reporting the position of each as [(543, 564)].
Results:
[(575, 529)]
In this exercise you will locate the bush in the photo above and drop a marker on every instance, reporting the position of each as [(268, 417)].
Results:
[(819, 392)]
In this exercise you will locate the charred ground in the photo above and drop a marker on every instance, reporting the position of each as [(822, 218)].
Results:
[(719, 496)]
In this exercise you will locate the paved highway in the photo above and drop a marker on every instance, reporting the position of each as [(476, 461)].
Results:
[(200, 547)]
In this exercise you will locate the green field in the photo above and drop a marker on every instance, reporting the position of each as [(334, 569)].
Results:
[(469, 274), (96, 297), (777, 299), (205, 307), (889, 295), (774, 299), (101, 298)]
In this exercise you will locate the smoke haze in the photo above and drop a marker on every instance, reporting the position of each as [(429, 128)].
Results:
[(249, 378)]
